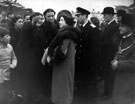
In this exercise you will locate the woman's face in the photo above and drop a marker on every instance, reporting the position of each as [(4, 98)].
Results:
[(124, 29), (62, 22), (40, 20), (19, 23)]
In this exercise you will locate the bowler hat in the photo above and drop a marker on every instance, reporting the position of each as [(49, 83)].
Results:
[(108, 10), (128, 20), (80, 10)]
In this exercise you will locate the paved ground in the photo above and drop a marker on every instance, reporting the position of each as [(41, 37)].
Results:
[(85, 94)]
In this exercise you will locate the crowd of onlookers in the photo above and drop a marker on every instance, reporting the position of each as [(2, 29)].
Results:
[(77, 52)]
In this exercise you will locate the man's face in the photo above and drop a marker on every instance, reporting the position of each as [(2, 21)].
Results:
[(80, 18), (50, 17), (27, 19), (107, 17)]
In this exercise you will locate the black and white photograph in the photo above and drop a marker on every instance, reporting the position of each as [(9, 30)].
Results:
[(67, 51)]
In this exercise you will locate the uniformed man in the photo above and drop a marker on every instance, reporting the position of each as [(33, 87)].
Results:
[(84, 73)]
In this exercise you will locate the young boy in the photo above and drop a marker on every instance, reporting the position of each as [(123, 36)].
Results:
[(7, 61)]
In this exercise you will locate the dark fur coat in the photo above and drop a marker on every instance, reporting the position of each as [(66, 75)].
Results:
[(67, 32)]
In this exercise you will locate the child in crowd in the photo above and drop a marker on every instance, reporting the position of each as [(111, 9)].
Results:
[(7, 61), (7, 56)]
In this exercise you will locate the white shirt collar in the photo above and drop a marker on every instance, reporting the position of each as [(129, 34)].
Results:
[(110, 22), (92, 25), (85, 23)]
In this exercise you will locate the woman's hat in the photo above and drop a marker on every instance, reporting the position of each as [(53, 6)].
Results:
[(108, 10), (65, 13), (67, 16), (121, 12), (128, 20)]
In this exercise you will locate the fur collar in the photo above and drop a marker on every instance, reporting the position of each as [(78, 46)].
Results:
[(68, 32)]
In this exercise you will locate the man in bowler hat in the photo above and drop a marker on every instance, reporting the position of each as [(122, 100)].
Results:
[(110, 39)]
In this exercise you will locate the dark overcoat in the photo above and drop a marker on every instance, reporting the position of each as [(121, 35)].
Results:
[(29, 53), (84, 53), (110, 39), (50, 30)]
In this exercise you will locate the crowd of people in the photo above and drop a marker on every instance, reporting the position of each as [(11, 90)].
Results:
[(41, 54)]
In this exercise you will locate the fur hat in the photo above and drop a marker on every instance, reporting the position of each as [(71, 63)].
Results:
[(128, 20)]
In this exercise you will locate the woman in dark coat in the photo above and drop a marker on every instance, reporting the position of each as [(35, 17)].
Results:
[(64, 71), (30, 51), (124, 64), (15, 27)]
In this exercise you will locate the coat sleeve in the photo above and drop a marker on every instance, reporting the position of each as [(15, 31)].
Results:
[(65, 46)]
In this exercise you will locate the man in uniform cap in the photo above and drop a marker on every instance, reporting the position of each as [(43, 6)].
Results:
[(84, 55), (82, 11)]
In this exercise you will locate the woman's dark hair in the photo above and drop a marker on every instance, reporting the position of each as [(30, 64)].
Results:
[(34, 15), (14, 20), (48, 10), (26, 15), (67, 17)]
